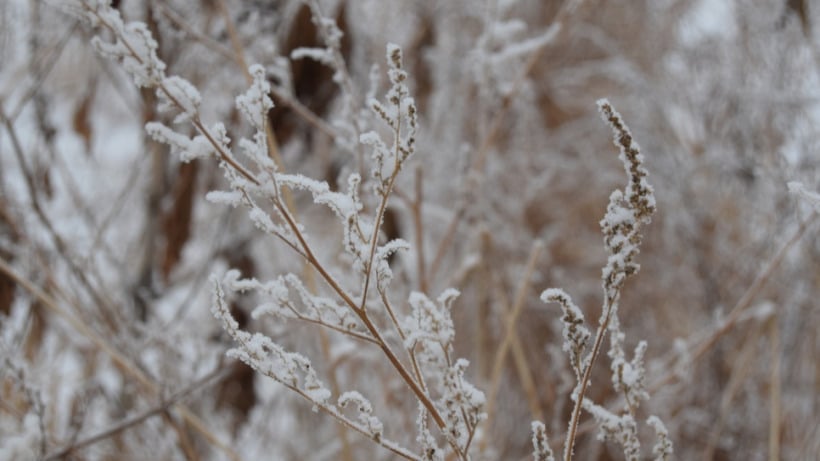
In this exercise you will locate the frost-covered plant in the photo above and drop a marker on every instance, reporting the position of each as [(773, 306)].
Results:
[(541, 450), (432, 375), (628, 211), (115, 233)]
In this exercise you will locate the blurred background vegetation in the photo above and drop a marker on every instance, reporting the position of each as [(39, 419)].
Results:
[(722, 95)]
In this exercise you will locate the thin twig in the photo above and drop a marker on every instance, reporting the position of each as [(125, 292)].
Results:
[(741, 306), (43, 73), (392, 314), (197, 36), (103, 305), (304, 112), (320, 322), (510, 330), (581, 388), (211, 378), (335, 413), (740, 368), (774, 392), (449, 235), (418, 221), (378, 224)]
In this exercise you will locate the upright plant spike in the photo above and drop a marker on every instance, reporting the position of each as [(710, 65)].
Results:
[(629, 209)]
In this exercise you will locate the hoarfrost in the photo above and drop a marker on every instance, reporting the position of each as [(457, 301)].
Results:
[(541, 450), (255, 102), (176, 93)]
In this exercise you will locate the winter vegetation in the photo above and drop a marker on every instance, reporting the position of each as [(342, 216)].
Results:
[(461, 230)]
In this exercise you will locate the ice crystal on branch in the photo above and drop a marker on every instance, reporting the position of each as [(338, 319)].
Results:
[(331, 55), (178, 94), (321, 55), (621, 429), (463, 404), (255, 103), (383, 272), (265, 356), (134, 47), (576, 335), (185, 147), (541, 450), (628, 377), (307, 306), (365, 413), (663, 448), (430, 323), (638, 192), (430, 451)]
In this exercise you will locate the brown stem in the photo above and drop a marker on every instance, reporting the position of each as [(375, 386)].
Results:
[(405, 375), (374, 239), (333, 412), (419, 229), (582, 386)]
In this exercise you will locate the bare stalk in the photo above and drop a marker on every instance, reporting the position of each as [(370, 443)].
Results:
[(207, 380), (510, 330), (418, 221), (581, 388)]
